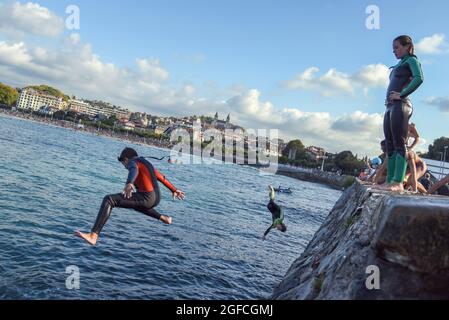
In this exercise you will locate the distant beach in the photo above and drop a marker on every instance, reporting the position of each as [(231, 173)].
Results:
[(130, 137)]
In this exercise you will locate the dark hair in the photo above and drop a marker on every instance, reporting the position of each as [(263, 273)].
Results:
[(383, 145), (404, 41), (283, 227), (127, 153)]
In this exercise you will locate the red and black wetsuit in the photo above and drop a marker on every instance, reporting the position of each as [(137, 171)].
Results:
[(144, 177)]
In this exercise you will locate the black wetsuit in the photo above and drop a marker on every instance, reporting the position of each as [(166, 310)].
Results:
[(140, 201), (405, 78), (277, 215)]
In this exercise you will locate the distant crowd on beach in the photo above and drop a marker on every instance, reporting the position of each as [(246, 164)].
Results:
[(128, 136)]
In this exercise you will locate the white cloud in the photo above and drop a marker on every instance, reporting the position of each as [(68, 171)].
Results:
[(373, 75), (249, 104), (305, 80), (441, 102), (189, 89), (358, 131), (75, 38), (77, 70), (18, 19), (13, 54), (334, 82), (434, 44), (152, 69), (358, 122)]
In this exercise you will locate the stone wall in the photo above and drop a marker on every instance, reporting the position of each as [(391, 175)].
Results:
[(331, 179), (405, 238)]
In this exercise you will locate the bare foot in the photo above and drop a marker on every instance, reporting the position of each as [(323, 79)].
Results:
[(166, 219), (397, 187), (91, 238), (384, 186)]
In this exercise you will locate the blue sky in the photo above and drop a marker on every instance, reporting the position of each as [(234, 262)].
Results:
[(246, 52)]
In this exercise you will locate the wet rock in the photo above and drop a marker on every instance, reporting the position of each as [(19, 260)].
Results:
[(414, 232)]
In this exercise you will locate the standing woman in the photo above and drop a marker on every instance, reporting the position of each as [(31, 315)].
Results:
[(405, 78)]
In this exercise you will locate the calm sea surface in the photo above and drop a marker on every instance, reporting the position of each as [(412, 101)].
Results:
[(53, 181)]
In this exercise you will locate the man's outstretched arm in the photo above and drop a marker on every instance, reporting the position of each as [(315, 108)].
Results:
[(176, 193), (267, 232), (165, 181)]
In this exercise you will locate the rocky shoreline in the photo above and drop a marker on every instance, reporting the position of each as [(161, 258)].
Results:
[(330, 179), (339, 182)]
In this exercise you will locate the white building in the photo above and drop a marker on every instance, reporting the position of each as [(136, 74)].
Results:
[(34, 100), (129, 126), (93, 109), (108, 110), (82, 107)]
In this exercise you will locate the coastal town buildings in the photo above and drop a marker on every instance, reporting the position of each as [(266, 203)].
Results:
[(82, 107), (109, 110), (46, 110), (95, 108), (34, 100), (48, 104), (315, 153)]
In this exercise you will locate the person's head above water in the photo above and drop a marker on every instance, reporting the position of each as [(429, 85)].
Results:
[(126, 155), (402, 46)]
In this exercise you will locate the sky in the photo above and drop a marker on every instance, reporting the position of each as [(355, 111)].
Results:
[(312, 70)]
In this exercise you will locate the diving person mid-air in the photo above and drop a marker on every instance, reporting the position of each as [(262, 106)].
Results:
[(142, 176), (277, 215)]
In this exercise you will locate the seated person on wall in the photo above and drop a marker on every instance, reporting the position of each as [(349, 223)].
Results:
[(381, 173), (416, 169), (362, 175), (374, 165), (426, 182)]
